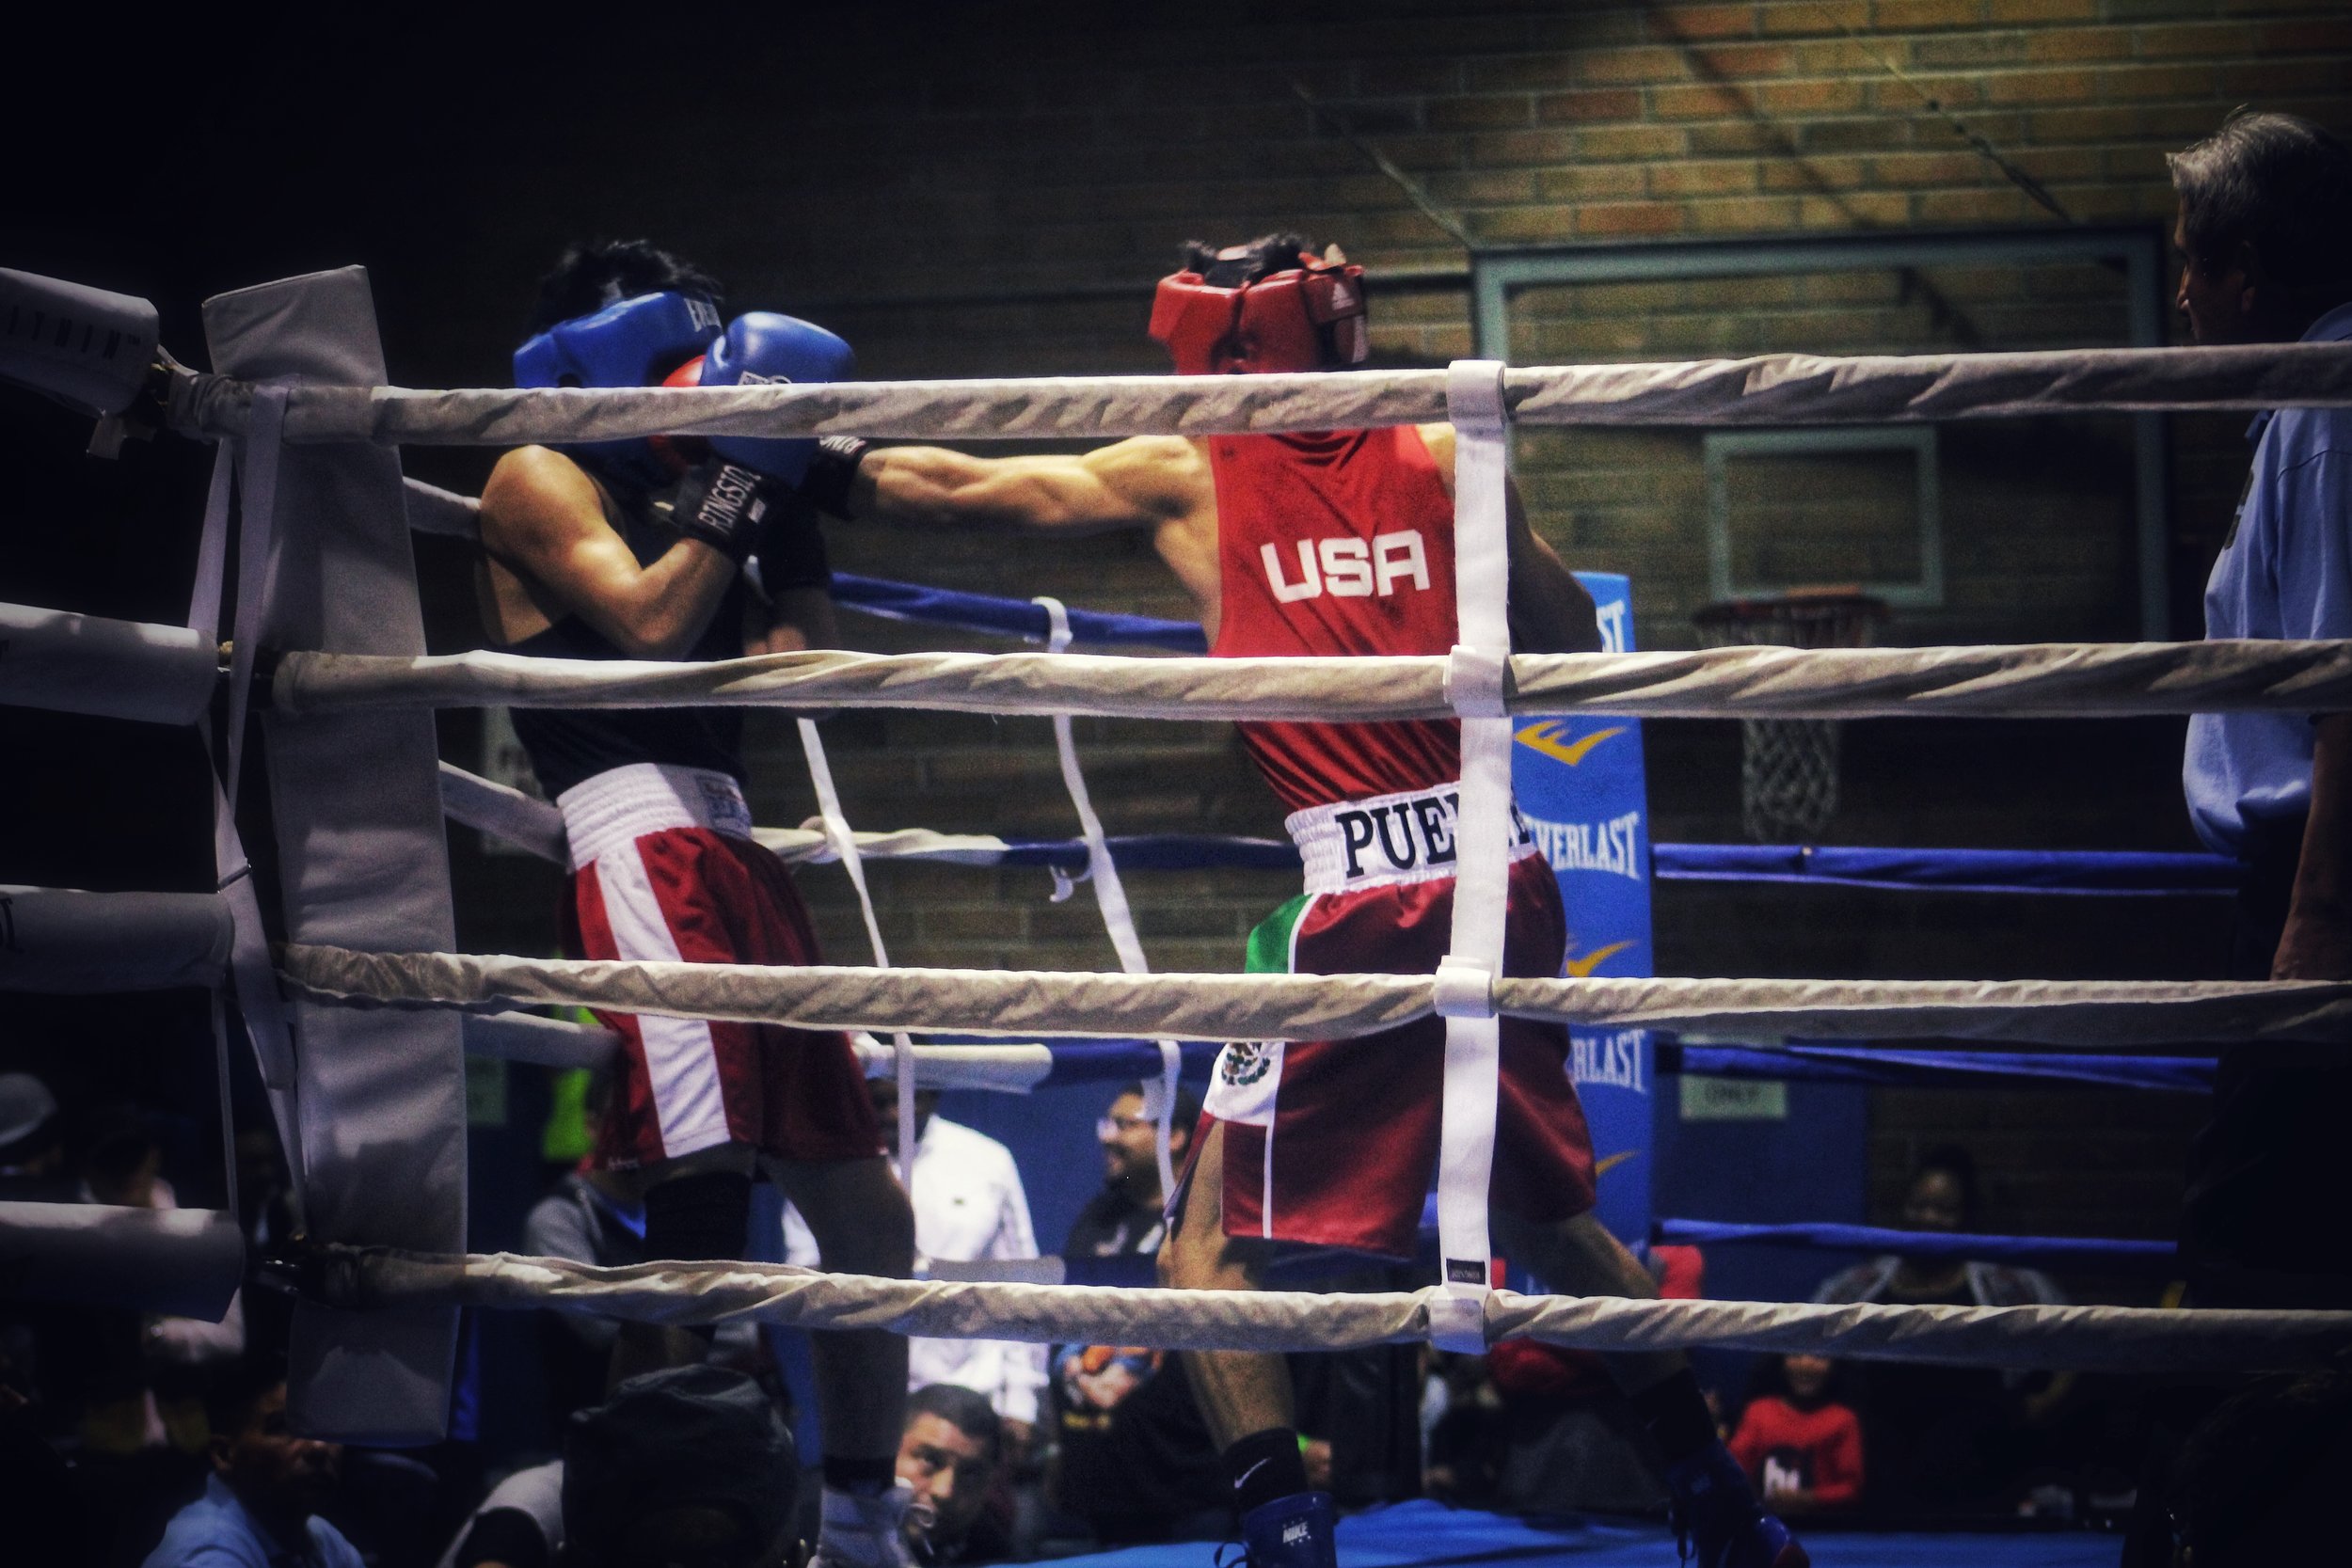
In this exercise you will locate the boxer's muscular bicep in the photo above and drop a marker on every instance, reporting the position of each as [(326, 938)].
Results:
[(1129, 484), (1550, 612), (542, 520)]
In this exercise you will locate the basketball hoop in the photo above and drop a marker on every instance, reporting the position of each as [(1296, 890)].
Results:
[(1789, 767)]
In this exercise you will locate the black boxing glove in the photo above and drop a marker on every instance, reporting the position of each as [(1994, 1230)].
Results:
[(831, 469), (722, 505), (791, 549)]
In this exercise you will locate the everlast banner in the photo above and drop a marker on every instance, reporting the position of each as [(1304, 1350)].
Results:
[(1584, 797)]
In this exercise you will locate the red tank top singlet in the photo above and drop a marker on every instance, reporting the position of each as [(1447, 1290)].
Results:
[(1337, 543)]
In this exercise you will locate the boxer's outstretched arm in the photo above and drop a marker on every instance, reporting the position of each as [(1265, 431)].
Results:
[(542, 521), (1137, 483)]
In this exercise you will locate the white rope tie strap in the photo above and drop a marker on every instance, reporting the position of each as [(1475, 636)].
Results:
[(2115, 1339), (2027, 680), (844, 845), (1110, 900), (1771, 389), (2095, 1013)]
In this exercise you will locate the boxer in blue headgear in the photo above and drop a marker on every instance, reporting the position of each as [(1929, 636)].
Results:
[(638, 549)]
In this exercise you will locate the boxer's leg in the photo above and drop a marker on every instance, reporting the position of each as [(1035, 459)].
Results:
[(1247, 1397), (859, 1215), (1712, 1498), (697, 1208)]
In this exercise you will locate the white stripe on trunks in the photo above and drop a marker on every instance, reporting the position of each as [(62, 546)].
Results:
[(681, 1063)]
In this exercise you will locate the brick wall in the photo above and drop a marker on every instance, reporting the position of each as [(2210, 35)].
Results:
[(970, 191)]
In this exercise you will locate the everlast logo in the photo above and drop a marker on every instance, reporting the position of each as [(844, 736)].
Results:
[(1409, 834), (1614, 1058), (1350, 568)]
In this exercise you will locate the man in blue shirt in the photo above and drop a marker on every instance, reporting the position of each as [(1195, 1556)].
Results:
[(2264, 234), (260, 1507)]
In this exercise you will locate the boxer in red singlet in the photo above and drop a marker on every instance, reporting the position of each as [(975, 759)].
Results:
[(1339, 542)]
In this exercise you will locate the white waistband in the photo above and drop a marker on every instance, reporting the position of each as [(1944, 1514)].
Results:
[(621, 805), (1406, 837)]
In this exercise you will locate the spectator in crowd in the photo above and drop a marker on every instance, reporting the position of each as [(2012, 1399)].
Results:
[(129, 1387), (32, 1143), (969, 1207), (1941, 1438), (261, 1504), (32, 1171), (687, 1465), (953, 1454), (594, 1215), (1800, 1444), (1134, 1461)]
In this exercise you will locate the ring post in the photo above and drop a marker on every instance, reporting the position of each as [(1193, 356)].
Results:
[(362, 863)]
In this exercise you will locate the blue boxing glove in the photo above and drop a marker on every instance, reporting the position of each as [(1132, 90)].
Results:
[(761, 348)]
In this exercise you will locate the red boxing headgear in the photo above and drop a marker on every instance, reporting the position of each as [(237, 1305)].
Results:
[(1310, 317)]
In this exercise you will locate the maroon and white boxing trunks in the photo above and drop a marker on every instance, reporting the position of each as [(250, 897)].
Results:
[(1334, 1143), (664, 867)]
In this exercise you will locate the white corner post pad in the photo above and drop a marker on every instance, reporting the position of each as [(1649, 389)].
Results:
[(363, 863), (1110, 898), (1475, 679), (84, 347)]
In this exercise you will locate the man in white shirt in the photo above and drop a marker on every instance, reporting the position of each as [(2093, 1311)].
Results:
[(969, 1206)]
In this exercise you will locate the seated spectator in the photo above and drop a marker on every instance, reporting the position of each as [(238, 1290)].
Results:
[(1943, 1195), (2259, 1482), (969, 1207), (684, 1464), (261, 1504), (591, 1216), (1134, 1461), (32, 1143), (32, 1171), (145, 1388), (952, 1452), (1944, 1439), (1800, 1445)]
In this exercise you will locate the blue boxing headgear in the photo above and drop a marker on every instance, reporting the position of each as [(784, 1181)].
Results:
[(633, 343)]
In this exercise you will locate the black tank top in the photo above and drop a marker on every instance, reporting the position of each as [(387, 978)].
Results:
[(568, 746)]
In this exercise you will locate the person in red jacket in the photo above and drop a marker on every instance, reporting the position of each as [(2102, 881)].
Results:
[(1801, 1447), (1339, 542)]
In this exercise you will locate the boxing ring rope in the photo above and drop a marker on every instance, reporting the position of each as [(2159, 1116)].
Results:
[(2115, 1339), (530, 823), (1771, 389), (2099, 1252), (1897, 1068), (2089, 1013), (2024, 680)]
